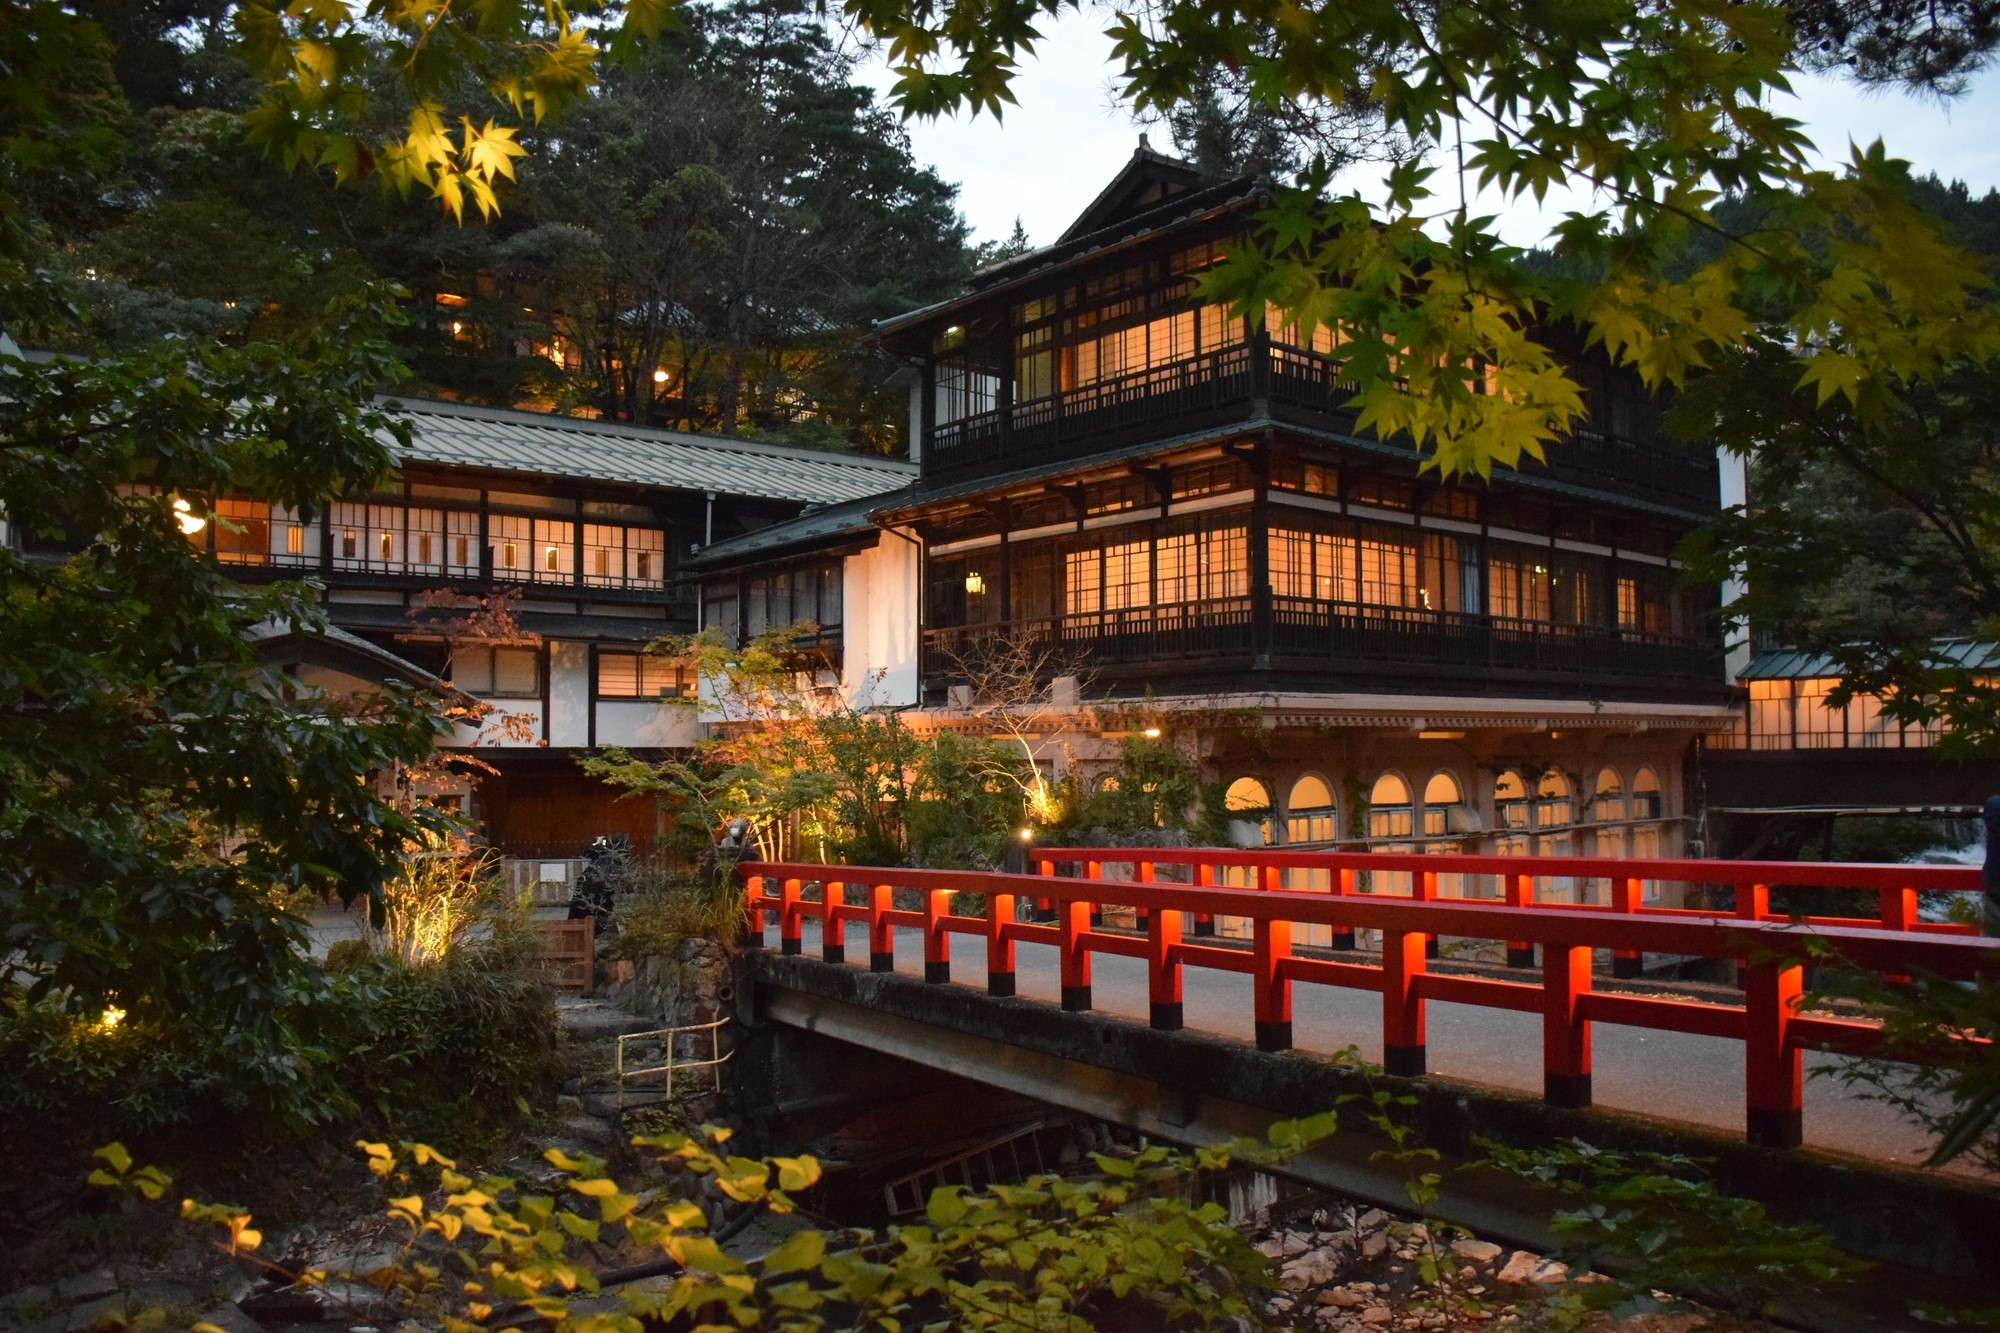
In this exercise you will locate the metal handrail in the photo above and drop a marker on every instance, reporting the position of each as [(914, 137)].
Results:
[(666, 1036)]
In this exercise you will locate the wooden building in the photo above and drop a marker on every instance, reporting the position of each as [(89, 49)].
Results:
[(1178, 503)]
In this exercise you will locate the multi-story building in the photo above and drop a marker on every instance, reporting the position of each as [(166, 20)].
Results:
[(1177, 503), (587, 523)]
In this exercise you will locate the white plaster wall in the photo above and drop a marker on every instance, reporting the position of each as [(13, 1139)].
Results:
[(569, 693), (496, 732), (637, 722), (1734, 493), (879, 624)]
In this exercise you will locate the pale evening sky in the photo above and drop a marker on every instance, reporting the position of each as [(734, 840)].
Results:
[(1055, 150)]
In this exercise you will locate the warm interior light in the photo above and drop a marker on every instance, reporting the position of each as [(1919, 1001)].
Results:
[(1440, 735), (190, 522), (974, 584), (1151, 733), (659, 377), (457, 328), (112, 1018)]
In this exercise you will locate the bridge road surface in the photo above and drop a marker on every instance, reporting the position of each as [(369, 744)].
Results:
[(1667, 1075)]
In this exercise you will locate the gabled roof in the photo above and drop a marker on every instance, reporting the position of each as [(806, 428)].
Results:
[(1148, 180), (1791, 664), (538, 444), (815, 530)]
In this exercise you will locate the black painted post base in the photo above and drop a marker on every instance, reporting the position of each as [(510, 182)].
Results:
[(1204, 928), (833, 953), (1521, 957), (1403, 1061), (791, 948), (1166, 1017), (1000, 984), (1431, 946), (1274, 1036), (881, 962), (1627, 968), (1076, 999), (937, 974), (1343, 941), (1096, 920), (1569, 1091), (1776, 1129)]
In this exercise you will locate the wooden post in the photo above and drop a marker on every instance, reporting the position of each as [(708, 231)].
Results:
[(1270, 946), (1095, 870), (1899, 908), (1144, 873), (1425, 890), (881, 938), (1753, 903), (999, 944), (1773, 1068), (1520, 893), (937, 939), (1072, 924), (1402, 1009), (1163, 970), (1625, 899), (833, 930), (753, 915), (1204, 877), (1343, 886), (789, 943), (1565, 1032)]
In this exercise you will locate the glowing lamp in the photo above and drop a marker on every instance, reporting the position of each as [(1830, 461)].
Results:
[(974, 584), (1151, 733), (659, 377), (190, 522)]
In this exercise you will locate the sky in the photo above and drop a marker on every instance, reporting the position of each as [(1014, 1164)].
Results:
[(1052, 154)]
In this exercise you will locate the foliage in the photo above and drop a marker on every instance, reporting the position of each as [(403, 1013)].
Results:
[(655, 919), (159, 785), (812, 772), (1657, 1221), (1154, 785), (448, 899), (1931, 1066), (1051, 1253)]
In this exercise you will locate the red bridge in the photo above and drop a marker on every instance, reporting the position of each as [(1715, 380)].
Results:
[(1176, 900)]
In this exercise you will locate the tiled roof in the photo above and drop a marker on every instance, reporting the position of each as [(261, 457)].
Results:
[(814, 528), (1791, 664), (454, 434)]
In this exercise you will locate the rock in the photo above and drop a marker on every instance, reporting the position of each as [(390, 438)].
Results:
[(89, 1314), (596, 1135), (1314, 1269), (1552, 1274), (52, 1323), (164, 1295), (1475, 1251), (1371, 1219), (91, 1286), (1377, 1315), (229, 1317), (1521, 1267), (1339, 1297), (1375, 1246)]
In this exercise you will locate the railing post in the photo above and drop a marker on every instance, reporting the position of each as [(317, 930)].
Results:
[(1520, 892), (789, 943), (1144, 873), (1402, 1008), (1204, 877), (1095, 870), (1773, 1068), (1899, 908), (937, 939), (1565, 1032), (1072, 924), (1163, 970), (1625, 900), (999, 944), (881, 937), (832, 929), (1424, 890), (1343, 886), (1270, 946), (1753, 903), (1047, 870)]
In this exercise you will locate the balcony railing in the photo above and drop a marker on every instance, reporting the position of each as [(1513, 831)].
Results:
[(1339, 638), (1222, 386)]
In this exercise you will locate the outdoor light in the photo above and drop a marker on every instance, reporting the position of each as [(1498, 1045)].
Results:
[(457, 328), (112, 1018), (1027, 835), (974, 584), (190, 522), (1151, 733), (659, 377)]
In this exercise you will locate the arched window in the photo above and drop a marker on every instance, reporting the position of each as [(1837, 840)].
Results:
[(1390, 814), (1646, 795), (1510, 802), (1552, 801), (1248, 802), (1607, 804), (1440, 795), (1309, 813)]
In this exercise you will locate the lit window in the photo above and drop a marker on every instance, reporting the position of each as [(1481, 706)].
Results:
[(551, 560), (295, 540), (510, 556), (387, 542), (349, 547)]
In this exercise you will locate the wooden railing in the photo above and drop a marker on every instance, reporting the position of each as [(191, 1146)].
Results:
[(1771, 954)]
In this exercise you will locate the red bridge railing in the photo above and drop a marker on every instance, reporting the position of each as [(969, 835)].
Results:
[(1771, 953)]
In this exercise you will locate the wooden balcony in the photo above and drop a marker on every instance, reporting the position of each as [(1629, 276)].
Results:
[(1311, 639), (1252, 379)]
